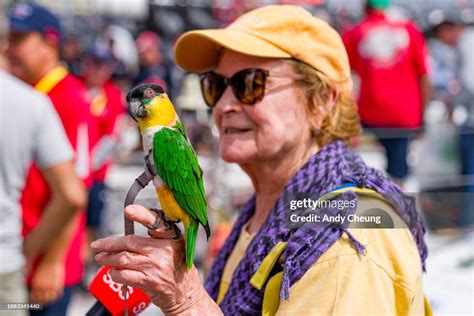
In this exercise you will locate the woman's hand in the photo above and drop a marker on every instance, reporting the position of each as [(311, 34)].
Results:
[(155, 265)]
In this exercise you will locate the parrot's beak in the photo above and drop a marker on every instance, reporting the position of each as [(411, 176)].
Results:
[(141, 112), (137, 110)]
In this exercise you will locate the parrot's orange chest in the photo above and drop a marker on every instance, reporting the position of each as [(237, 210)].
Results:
[(170, 207)]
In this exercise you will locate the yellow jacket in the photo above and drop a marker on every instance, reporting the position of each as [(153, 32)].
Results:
[(385, 281)]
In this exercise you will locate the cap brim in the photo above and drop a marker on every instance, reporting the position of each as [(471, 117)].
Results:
[(198, 51)]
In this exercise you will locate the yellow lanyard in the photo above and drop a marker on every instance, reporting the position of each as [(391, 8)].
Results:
[(51, 79)]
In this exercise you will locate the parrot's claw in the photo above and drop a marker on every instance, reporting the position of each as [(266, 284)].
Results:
[(177, 231), (169, 224), (160, 217)]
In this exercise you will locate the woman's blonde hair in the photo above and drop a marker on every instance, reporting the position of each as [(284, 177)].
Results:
[(343, 121)]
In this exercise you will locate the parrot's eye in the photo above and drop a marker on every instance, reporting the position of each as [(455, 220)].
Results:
[(149, 93)]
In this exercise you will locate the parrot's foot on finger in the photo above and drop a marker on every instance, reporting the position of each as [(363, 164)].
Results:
[(177, 231), (169, 224), (160, 217)]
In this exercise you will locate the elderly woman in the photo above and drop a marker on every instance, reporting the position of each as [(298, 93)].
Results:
[(278, 82)]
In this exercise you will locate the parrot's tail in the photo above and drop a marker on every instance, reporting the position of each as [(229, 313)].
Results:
[(191, 233), (208, 230)]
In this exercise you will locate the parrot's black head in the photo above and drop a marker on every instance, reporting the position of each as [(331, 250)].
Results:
[(139, 97)]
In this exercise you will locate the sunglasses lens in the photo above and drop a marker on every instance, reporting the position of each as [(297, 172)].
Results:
[(249, 85), (212, 87)]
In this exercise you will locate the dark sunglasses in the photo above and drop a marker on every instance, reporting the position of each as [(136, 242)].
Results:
[(248, 85)]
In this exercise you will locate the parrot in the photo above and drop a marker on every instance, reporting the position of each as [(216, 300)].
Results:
[(179, 188)]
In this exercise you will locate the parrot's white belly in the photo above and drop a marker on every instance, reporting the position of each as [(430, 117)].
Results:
[(147, 137)]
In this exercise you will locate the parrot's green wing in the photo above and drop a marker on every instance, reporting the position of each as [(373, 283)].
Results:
[(178, 167), (180, 127)]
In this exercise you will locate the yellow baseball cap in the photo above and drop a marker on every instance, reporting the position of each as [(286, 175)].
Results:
[(275, 31)]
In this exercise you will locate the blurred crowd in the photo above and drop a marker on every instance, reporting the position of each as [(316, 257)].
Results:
[(86, 75)]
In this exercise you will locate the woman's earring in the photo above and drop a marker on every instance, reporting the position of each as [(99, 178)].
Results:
[(316, 133)]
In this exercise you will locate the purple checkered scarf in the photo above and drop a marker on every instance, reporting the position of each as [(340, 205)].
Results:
[(328, 169)]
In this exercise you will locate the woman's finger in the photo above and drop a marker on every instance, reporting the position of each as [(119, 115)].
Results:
[(132, 243), (123, 259), (142, 215), (147, 218), (166, 234), (132, 278)]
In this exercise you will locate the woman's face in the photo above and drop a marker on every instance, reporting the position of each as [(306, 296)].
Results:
[(269, 129)]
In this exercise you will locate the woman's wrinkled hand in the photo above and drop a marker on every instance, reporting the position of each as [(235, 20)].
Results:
[(156, 265)]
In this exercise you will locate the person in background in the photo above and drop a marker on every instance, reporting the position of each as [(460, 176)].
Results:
[(450, 59), (390, 57), (71, 53), (446, 59), (466, 139), (30, 130), (121, 74), (107, 108), (34, 58), (152, 66)]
